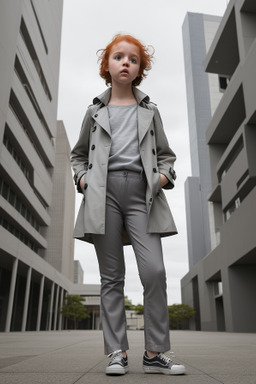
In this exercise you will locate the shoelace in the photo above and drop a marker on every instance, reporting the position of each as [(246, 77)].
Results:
[(115, 356), (166, 359)]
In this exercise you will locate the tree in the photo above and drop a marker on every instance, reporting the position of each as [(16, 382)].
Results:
[(178, 314), (138, 308), (74, 310), (127, 302)]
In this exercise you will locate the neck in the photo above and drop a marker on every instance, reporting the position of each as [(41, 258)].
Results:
[(122, 95)]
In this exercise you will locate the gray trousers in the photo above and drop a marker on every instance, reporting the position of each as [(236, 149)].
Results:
[(126, 206)]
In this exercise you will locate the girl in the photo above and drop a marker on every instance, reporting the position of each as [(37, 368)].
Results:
[(121, 162)]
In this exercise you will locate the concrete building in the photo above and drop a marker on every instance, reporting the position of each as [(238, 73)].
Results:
[(78, 273), (203, 96), (36, 189), (222, 285), (60, 244), (133, 320), (91, 294)]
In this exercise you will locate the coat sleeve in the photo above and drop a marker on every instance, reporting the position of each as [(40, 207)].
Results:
[(165, 155), (79, 154)]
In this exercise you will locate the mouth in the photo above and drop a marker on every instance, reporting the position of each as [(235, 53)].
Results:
[(124, 72)]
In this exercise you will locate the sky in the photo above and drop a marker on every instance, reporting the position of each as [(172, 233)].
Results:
[(90, 25)]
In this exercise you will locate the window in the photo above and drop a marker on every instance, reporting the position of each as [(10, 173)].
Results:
[(17, 204), (231, 157), (232, 208), (12, 198), (223, 83), (5, 191), (9, 194), (39, 27), (21, 236), (25, 83), (26, 125), (28, 42), (10, 145)]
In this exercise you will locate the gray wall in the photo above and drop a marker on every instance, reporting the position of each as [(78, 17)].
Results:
[(202, 98), (226, 276), (60, 247)]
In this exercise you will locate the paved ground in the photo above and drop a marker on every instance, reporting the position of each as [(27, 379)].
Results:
[(70, 357)]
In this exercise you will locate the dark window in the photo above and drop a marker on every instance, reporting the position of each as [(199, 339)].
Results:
[(8, 193), (17, 204), (12, 198), (31, 49), (21, 236), (223, 82), (25, 83), (5, 191), (39, 27)]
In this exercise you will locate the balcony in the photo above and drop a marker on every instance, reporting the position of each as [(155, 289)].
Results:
[(228, 117), (19, 182), (249, 6), (236, 169), (223, 56), (21, 103)]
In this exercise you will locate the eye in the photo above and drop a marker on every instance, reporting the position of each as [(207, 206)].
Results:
[(133, 61), (118, 57)]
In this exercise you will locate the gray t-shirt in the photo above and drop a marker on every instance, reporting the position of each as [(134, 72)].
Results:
[(124, 152)]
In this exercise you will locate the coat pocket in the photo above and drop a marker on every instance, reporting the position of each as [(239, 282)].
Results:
[(156, 183), (85, 183)]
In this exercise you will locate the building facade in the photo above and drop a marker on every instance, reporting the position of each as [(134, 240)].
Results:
[(37, 194), (203, 96), (60, 244), (222, 285), (78, 272)]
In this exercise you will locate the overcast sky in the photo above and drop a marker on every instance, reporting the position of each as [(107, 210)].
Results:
[(89, 25)]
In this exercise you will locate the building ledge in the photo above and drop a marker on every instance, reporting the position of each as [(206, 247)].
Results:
[(223, 55), (215, 196)]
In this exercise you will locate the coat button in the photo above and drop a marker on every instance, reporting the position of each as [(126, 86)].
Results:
[(92, 147), (172, 173), (90, 166), (152, 132), (153, 151), (94, 129), (154, 170), (150, 200), (96, 115), (85, 186)]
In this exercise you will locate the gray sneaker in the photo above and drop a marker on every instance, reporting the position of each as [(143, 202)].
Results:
[(162, 364), (118, 364)]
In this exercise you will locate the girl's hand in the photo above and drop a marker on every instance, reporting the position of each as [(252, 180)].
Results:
[(163, 180), (82, 182)]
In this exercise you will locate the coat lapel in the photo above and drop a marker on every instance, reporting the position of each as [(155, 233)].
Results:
[(102, 118), (145, 117)]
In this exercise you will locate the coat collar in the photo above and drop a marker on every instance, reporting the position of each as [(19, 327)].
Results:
[(105, 96), (145, 115)]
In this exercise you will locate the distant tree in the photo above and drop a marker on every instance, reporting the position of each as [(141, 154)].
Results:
[(138, 308), (74, 310), (178, 314), (127, 303)]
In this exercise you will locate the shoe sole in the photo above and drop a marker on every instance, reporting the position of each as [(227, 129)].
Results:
[(165, 371), (116, 370)]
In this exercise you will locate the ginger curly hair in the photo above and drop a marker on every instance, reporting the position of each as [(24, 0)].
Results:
[(146, 58)]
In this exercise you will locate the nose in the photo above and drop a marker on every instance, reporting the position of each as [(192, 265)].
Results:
[(126, 61)]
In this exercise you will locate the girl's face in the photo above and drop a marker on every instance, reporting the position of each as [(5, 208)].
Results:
[(124, 63)]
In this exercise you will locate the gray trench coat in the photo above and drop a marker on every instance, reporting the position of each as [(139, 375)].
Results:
[(89, 158)]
